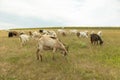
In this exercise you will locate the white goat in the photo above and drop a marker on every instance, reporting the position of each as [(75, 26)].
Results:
[(51, 43), (82, 34), (24, 38)]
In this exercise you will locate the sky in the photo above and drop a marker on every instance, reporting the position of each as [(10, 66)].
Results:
[(58, 13)]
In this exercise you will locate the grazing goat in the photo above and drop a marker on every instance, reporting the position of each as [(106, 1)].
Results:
[(82, 34), (12, 33), (24, 38), (51, 33), (51, 43), (61, 31), (43, 31), (94, 38)]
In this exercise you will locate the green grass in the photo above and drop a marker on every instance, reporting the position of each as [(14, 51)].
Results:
[(84, 61)]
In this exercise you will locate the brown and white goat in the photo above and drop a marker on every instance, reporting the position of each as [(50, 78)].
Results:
[(51, 43)]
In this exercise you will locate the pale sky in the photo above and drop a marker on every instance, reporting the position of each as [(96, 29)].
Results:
[(53, 13)]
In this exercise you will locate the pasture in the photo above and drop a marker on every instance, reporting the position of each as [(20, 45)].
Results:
[(83, 62)]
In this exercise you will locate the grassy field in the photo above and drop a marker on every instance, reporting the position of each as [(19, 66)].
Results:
[(84, 61)]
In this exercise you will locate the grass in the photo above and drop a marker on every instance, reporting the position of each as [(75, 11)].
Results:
[(84, 61)]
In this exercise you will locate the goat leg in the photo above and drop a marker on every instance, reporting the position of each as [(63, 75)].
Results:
[(41, 57), (37, 54), (54, 49)]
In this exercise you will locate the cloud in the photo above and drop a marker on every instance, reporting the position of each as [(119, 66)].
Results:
[(4, 25), (65, 12), (45, 9), (100, 12), (27, 21)]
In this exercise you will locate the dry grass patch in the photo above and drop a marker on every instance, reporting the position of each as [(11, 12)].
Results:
[(84, 61)]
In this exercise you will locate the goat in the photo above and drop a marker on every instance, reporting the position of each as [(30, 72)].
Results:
[(82, 34), (62, 32), (43, 31), (52, 33), (94, 38), (24, 38), (12, 33), (52, 43)]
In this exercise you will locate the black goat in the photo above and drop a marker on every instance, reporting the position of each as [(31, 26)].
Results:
[(12, 33), (95, 39)]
